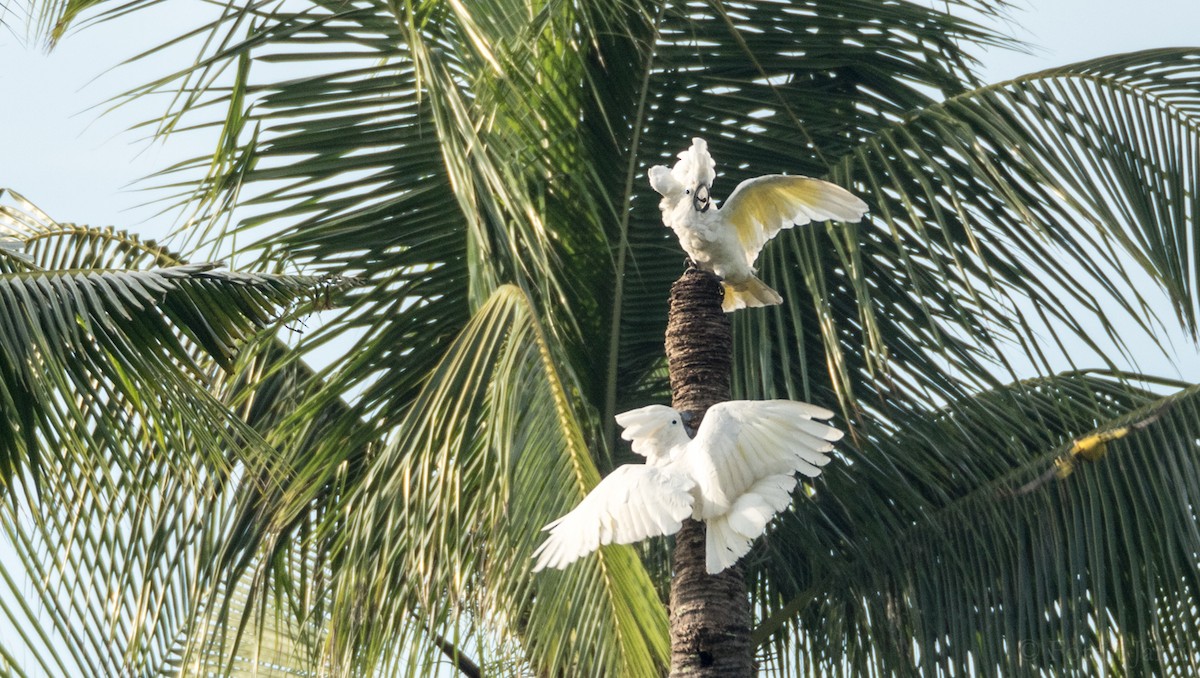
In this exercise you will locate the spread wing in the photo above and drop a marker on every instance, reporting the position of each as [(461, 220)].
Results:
[(743, 442), (634, 502), (761, 207)]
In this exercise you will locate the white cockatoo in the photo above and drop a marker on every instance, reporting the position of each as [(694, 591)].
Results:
[(726, 241), (735, 475)]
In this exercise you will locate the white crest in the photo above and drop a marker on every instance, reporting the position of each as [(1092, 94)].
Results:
[(695, 166)]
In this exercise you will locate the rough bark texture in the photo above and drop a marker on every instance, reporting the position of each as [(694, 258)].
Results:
[(710, 614)]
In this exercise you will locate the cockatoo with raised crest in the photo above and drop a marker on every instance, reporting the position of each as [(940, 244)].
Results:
[(726, 241), (735, 475)]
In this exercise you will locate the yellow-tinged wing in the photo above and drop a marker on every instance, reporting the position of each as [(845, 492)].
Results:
[(761, 207)]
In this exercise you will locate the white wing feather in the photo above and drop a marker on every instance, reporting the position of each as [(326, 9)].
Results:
[(741, 442), (759, 208), (737, 474), (743, 460), (634, 502), (730, 536)]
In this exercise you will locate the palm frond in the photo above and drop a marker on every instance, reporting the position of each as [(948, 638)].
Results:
[(959, 278), (966, 547), (445, 526), (120, 463)]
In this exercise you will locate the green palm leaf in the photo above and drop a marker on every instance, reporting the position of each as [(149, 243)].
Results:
[(979, 201), (975, 549), (125, 333), (119, 461), (446, 527)]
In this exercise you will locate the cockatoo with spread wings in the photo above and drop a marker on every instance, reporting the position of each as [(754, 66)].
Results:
[(726, 241), (735, 475)]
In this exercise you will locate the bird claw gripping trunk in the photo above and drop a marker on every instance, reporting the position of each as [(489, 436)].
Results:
[(710, 614)]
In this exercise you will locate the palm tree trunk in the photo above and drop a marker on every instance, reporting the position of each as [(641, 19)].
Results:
[(710, 614)]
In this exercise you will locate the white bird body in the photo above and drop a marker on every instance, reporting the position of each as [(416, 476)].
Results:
[(726, 241), (713, 245), (735, 475)]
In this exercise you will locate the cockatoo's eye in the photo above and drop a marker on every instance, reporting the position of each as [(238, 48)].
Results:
[(673, 422), (700, 203)]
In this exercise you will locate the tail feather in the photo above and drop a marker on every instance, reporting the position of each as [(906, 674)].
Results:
[(749, 293), (722, 544), (730, 535)]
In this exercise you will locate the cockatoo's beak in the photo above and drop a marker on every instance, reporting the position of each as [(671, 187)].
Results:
[(689, 421), (700, 201)]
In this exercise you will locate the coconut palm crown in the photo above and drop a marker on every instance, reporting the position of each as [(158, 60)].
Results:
[(480, 168)]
